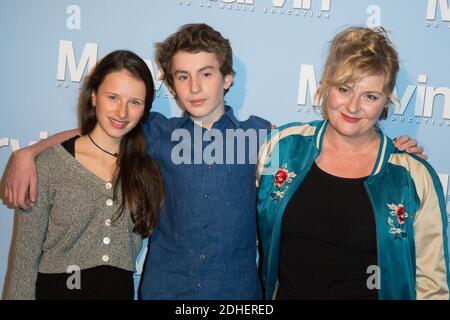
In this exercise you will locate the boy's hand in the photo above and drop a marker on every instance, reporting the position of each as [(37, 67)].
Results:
[(410, 146), (21, 180)]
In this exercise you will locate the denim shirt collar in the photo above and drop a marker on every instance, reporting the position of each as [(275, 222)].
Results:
[(228, 115)]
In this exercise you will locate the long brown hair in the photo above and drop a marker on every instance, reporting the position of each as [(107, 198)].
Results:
[(137, 174)]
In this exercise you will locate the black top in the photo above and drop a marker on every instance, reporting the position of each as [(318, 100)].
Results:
[(69, 145), (328, 240)]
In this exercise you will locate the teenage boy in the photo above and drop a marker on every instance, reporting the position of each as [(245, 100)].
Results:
[(204, 246)]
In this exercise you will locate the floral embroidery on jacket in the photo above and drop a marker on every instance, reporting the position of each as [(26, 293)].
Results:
[(281, 179), (398, 224)]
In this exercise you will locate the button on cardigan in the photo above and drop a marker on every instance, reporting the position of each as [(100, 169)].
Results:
[(70, 225)]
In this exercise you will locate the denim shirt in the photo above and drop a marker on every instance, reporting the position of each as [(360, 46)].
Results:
[(204, 245)]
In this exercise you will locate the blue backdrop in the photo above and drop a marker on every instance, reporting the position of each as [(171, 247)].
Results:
[(279, 49)]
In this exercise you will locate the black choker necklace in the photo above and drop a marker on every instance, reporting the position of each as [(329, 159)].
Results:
[(110, 153)]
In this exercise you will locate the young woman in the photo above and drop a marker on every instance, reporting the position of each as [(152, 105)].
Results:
[(347, 215), (98, 194)]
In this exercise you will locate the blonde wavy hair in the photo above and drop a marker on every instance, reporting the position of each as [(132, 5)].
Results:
[(355, 53)]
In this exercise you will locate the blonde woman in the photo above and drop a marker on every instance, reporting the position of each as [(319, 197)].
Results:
[(347, 215)]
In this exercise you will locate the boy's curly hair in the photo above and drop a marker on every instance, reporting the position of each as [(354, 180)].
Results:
[(193, 38)]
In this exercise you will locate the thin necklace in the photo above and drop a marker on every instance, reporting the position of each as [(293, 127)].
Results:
[(110, 153)]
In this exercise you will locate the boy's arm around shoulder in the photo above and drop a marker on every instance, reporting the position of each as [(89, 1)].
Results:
[(32, 228), (21, 181)]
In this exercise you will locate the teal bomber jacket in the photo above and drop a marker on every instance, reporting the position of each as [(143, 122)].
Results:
[(407, 201)]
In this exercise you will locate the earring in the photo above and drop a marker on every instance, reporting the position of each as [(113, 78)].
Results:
[(384, 114)]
